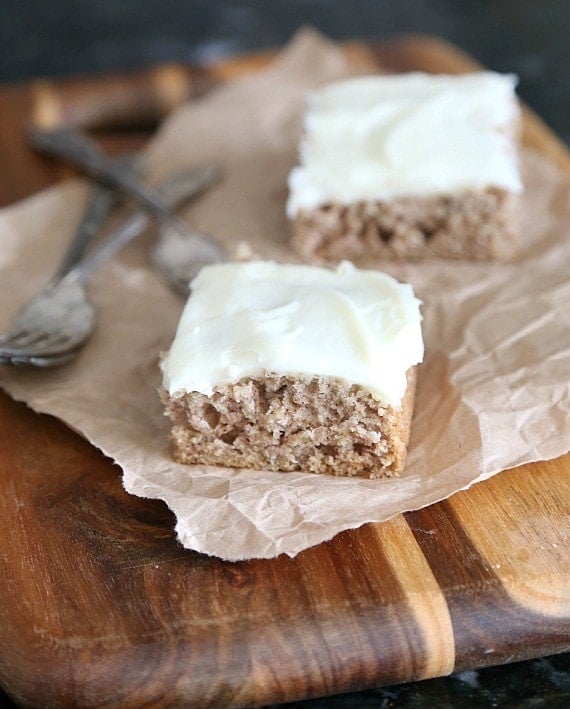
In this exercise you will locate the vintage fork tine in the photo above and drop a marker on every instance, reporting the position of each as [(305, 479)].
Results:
[(23, 338), (37, 337), (36, 347), (38, 361), (27, 337), (100, 204), (63, 314)]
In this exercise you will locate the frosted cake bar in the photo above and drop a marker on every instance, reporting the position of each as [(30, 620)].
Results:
[(287, 367), (408, 166)]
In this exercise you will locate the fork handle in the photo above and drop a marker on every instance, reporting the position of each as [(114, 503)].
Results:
[(173, 190), (100, 203), (74, 147)]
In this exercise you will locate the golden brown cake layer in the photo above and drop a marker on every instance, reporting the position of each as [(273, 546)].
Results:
[(287, 423), (476, 225)]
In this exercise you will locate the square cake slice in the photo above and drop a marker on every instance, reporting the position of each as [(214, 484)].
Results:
[(408, 166), (289, 367)]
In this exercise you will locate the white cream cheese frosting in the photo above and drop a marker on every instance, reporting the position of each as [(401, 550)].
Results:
[(382, 137), (244, 319)]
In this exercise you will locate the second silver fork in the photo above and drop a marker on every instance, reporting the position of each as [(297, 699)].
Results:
[(52, 327)]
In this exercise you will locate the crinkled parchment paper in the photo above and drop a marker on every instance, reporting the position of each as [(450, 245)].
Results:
[(492, 394)]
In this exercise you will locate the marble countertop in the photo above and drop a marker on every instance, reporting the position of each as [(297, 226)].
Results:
[(528, 38), (544, 682)]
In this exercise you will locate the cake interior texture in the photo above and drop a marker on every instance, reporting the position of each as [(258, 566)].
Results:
[(475, 225), (292, 423)]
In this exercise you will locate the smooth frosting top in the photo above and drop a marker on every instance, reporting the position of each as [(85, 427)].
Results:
[(381, 137), (244, 319)]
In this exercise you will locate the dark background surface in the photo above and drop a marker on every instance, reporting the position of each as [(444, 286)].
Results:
[(58, 37), (528, 37)]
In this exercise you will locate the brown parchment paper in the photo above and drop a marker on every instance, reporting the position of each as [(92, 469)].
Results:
[(493, 392)]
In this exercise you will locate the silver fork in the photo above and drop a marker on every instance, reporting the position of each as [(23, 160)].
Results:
[(181, 251), (57, 324), (100, 203)]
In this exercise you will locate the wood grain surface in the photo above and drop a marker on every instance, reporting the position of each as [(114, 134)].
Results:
[(99, 606)]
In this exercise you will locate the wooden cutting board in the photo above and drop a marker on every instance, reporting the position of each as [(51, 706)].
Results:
[(100, 606)]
